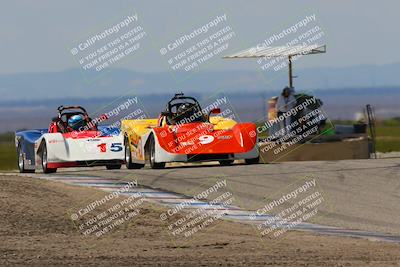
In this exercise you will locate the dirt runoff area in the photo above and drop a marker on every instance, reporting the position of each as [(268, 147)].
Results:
[(36, 229)]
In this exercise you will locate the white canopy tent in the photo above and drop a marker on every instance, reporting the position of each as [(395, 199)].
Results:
[(280, 51)]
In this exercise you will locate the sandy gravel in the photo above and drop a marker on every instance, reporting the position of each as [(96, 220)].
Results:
[(35, 230)]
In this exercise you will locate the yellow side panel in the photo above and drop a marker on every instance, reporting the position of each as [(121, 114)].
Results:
[(138, 127), (134, 130)]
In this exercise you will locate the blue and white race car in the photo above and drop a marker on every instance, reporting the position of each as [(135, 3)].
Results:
[(73, 139)]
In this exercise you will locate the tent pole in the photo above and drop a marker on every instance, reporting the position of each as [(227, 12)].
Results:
[(290, 72)]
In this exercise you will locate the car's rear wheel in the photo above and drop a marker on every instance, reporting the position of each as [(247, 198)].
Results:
[(128, 158), (152, 155), (21, 161), (226, 162), (45, 161), (252, 161), (113, 167)]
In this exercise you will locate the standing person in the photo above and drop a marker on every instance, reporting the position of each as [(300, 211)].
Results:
[(286, 101)]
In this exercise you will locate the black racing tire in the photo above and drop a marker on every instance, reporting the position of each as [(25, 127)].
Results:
[(113, 167), (252, 161), (226, 162), (43, 156), (128, 158), (21, 161), (152, 153)]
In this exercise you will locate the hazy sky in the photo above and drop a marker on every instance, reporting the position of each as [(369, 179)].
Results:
[(37, 35)]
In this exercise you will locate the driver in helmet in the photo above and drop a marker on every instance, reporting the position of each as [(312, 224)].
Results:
[(184, 111), (76, 122)]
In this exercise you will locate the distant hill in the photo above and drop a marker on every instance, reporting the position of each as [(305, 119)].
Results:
[(30, 100), (339, 103), (71, 83)]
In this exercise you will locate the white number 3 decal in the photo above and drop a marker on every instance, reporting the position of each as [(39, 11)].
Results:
[(206, 139)]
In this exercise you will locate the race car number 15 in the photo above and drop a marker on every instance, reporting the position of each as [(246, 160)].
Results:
[(115, 147)]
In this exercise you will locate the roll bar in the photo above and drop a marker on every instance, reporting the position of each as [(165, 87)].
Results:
[(62, 108)]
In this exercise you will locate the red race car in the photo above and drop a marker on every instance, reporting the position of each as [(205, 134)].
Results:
[(185, 132)]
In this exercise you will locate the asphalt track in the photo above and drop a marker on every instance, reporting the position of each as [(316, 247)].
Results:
[(363, 195)]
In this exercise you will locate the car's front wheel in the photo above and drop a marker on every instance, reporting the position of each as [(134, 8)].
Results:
[(45, 161), (152, 155), (21, 161), (128, 157)]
